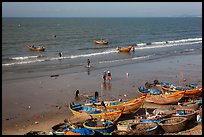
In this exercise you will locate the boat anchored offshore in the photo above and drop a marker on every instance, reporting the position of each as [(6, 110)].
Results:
[(33, 48), (102, 42)]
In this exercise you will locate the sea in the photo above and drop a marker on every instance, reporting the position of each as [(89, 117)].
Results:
[(152, 38)]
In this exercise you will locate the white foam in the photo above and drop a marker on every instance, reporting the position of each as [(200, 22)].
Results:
[(23, 58)]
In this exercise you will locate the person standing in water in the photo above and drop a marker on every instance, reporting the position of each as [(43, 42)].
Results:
[(104, 76), (60, 54), (88, 63), (109, 76)]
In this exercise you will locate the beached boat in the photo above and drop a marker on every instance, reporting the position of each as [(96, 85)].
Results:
[(36, 48), (102, 42), (101, 126), (173, 124), (143, 128), (124, 49), (130, 106), (190, 114), (192, 90), (95, 113), (188, 105), (150, 91), (164, 99)]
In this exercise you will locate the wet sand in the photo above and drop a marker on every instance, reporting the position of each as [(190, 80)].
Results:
[(44, 99)]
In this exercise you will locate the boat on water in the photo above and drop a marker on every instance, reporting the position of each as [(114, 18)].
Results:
[(33, 48), (95, 113), (102, 42), (130, 106), (124, 49), (101, 126)]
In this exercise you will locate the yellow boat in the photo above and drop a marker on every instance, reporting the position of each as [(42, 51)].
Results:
[(131, 106), (102, 42), (189, 91), (95, 113)]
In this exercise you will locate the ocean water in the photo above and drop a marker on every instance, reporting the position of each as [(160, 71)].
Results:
[(75, 39)]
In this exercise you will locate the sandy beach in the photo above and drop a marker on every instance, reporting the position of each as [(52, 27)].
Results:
[(38, 103)]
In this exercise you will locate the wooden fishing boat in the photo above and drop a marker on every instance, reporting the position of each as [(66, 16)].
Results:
[(143, 128), (165, 98), (130, 106), (150, 91), (191, 91), (95, 113), (36, 48), (102, 42), (173, 124), (187, 113), (188, 105), (101, 126), (127, 49)]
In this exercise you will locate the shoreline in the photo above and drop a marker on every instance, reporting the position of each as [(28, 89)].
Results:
[(48, 96)]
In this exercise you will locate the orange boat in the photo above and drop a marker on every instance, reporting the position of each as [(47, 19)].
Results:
[(102, 42), (36, 48), (165, 98), (124, 49), (189, 91)]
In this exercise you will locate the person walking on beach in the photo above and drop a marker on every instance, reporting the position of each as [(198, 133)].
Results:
[(104, 76), (109, 76), (88, 63)]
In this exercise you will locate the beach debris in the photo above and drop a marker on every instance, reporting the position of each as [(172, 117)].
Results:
[(36, 133), (54, 76), (59, 107), (36, 122), (125, 95)]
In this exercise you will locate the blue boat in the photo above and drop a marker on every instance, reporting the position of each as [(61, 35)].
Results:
[(189, 87), (151, 91), (101, 126), (95, 113), (79, 131), (151, 120)]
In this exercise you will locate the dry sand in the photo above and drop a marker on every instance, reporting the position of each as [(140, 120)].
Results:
[(44, 99)]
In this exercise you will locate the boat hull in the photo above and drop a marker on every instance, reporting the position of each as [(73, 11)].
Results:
[(131, 106), (112, 115), (164, 99)]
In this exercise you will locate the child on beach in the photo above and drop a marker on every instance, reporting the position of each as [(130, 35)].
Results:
[(109, 76)]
